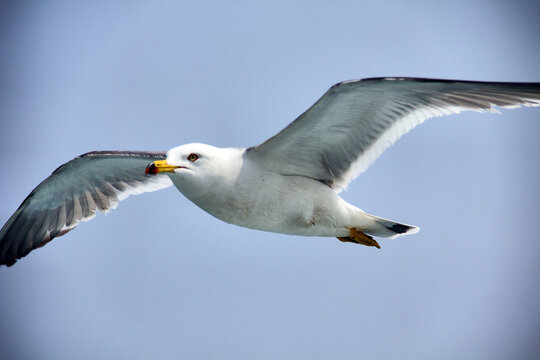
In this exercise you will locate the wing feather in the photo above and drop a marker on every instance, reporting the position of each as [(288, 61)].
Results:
[(95, 181), (352, 124)]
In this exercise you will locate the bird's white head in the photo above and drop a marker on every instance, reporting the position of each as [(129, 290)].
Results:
[(196, 168)]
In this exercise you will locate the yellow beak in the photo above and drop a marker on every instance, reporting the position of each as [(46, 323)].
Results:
[(160, 166)]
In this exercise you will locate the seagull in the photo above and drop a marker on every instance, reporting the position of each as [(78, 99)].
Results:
[(289, 184)]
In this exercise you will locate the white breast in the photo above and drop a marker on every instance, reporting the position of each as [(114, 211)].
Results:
[(268, 201)]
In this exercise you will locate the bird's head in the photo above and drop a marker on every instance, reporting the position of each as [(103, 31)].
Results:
[(198, 166)]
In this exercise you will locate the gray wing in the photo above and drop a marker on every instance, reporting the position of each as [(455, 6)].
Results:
[(343, 133), (72, 193)]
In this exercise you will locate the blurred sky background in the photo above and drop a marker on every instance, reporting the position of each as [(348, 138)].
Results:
[(160, 279)]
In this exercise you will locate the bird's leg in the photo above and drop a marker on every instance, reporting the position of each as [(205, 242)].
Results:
[(358, 237)]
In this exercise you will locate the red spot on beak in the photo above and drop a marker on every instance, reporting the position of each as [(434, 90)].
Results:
[(151, 169)]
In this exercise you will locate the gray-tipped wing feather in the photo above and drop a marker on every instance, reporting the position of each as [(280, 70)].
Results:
[(72, 193), (355, 121)]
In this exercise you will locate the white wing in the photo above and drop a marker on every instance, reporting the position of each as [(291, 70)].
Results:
[(345, 131), (72, 193)]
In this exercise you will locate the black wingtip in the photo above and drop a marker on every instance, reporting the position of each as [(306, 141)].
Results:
[(10, 262)]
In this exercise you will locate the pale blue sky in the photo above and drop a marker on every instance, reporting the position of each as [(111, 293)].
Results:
[(159, 278)]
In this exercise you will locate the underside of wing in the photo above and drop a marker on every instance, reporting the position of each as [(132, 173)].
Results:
[(348, 128), (94, 181)]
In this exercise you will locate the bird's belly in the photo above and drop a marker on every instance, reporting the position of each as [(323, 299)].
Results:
[(301, 207)]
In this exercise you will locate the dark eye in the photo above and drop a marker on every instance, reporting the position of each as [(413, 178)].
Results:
[(193, 157)]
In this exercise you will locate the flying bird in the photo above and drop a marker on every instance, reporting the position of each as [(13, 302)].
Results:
[(288, 184)]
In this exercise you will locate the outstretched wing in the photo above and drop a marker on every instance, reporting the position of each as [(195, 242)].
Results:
[(347, 129), (72, 193)]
